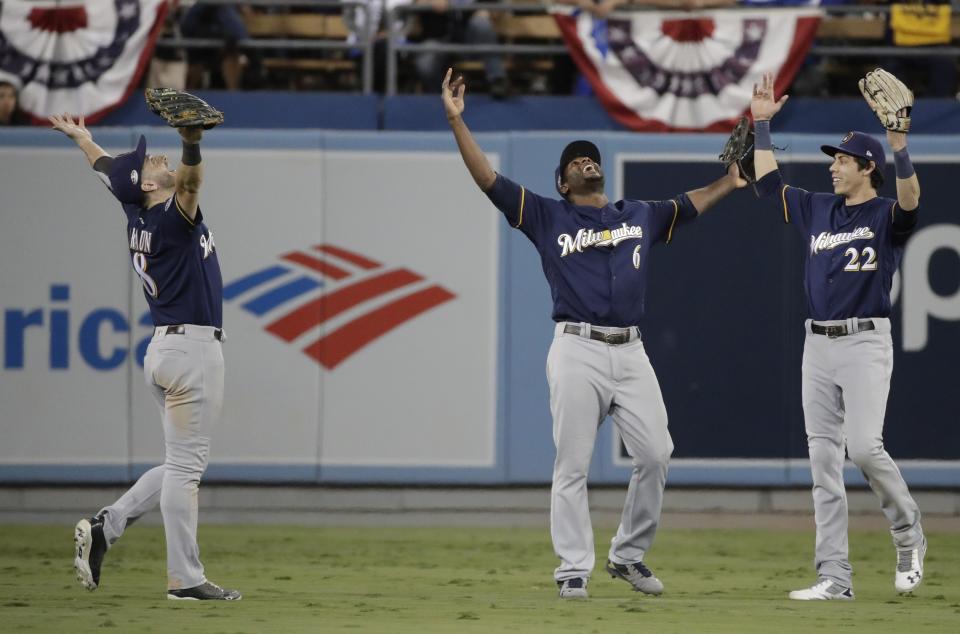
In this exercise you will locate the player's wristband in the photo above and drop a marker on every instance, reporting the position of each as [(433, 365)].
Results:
[(761, 135), (191, 154), (902, 164)]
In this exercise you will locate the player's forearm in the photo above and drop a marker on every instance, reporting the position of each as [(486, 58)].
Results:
[(706, 197), (908, 193), (473, 157), (91, 150), (763, 160), (190, 173), (908, 186)]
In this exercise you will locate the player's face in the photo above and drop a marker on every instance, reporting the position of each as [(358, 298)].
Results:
[(157, 169), (8, 102), (582, 174), (846, 175)]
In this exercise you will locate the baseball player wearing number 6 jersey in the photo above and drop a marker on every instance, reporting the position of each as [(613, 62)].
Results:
[(856, 240), (595, 255), (174, 255)]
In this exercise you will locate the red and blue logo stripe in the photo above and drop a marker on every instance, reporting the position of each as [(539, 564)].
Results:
[(311, 288)]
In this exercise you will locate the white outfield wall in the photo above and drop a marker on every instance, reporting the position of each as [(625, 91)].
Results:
[(413, 386)]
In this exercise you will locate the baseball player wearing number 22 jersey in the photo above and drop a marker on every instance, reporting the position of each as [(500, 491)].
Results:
[(595, 255), (173, 253), (856, 240)]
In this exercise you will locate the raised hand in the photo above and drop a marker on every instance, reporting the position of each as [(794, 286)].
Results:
[(734, 173), (763, 105), (452, 95), (76, 130)]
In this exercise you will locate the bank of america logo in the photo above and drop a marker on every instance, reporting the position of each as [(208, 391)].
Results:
[(354, 298)]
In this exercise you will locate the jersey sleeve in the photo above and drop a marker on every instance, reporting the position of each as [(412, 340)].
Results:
[(794, 203), (904, 223), (667, 215), (523, 209)]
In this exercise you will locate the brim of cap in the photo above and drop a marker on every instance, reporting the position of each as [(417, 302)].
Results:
[(831, 150), (141, 147)]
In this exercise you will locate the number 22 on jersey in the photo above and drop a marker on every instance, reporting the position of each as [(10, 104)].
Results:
[(854, 265)]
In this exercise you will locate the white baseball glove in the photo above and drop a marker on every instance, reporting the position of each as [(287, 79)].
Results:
[(889, 98)]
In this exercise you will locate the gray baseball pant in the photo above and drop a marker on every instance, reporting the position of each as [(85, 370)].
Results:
[(588, 380), (845, 385), (185, 375)]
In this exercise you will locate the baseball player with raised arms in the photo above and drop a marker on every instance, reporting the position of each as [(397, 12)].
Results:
[(173, 253), (595, 255), (856, 240)]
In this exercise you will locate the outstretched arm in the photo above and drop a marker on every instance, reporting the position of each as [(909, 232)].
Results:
[(473, 157), (763, 107), (908, 187), (190, 172), (77, 131), (706, 197)]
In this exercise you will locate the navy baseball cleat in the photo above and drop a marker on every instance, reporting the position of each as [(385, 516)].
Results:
[(823, 590), (90, 549), (575, 588), (637, 575), (910, 568), (206, 591)]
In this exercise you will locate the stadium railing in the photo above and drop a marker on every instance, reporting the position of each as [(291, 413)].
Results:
[(292, 32), (526, 30)]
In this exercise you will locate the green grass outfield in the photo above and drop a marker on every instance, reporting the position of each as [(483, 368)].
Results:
[(498, 580)]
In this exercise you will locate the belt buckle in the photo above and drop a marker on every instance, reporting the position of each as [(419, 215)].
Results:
[(616, 338), (835, 331)]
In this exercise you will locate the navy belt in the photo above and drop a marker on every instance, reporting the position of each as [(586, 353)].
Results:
[(180, 330), (612, 338), (840, 330)]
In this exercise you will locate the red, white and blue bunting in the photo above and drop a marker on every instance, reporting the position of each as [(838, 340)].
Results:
[(667, 70), (76, 56)]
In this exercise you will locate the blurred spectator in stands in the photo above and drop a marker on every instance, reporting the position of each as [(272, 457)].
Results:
[(168, 68), (448, 23), (10, 113), (369, 22), (801, 3), (922, 24), (220, 21)]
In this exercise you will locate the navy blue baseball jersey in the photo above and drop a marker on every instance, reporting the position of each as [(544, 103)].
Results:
[(595, 260), (177, 262), (853, 250)]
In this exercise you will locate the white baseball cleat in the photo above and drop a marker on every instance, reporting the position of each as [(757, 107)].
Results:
[(206, 591), (575, 588), (637, 575), (89, 549), (825, 590), (910, 568)]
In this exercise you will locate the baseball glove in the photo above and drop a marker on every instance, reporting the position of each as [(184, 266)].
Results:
[(889, 98), (739, 150), (181, 109)]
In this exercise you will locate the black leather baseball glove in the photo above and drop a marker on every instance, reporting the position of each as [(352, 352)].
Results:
[(739, 150), (181, 109)]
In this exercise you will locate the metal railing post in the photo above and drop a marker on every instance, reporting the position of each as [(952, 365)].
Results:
[(391, 88), (368, 53)]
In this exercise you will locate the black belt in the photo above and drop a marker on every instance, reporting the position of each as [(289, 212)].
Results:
[(840, 330), (612, 338), (181, 330)]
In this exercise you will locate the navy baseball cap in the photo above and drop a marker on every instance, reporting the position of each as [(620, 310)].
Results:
[(861, 145), (125, 174), (573, 150)]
